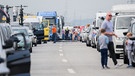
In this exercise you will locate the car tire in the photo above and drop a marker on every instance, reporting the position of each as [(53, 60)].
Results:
[(39, 42), (30, 50), (88, 43), (35, 44)]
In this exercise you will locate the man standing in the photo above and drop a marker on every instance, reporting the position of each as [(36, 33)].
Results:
[(66, 33), (54, 31), (108, 26)]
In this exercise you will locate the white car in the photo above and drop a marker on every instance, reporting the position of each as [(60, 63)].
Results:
[(33, 38)]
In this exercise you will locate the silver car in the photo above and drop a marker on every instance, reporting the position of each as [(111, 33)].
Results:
[(24, 30)]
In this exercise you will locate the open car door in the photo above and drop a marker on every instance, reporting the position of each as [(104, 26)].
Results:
[(19, 61)]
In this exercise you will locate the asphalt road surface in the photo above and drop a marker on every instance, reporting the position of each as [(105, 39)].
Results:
[(72, 59)]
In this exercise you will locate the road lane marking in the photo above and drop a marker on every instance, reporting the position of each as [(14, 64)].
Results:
[(64, 60), (71, 71), (60, 50), (61, 54), (60, 47)]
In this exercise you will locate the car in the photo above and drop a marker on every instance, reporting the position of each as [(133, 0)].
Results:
[(13, 62), (93, 37), (85, 33), (31, 34), (132, 30), (19, 60), (23, 29), (33, 38), (121, 24), (89, 36)]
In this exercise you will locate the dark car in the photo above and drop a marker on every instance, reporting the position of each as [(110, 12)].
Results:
[(132, 30), (19, 61)]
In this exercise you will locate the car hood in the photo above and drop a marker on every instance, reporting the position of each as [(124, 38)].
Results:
[(119, 32)]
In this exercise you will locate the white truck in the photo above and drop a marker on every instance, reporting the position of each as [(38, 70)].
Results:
[(125, 13)]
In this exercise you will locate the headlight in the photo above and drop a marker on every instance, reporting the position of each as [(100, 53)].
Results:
[(120, 38)]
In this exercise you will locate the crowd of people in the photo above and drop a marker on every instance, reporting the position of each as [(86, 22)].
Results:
[(71, 34)]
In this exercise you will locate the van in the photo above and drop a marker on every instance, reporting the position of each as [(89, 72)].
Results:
[(121, 24)]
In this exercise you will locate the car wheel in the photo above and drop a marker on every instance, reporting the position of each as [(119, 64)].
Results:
[(35, 44), (30, 50), (88, 43), (39, 42)]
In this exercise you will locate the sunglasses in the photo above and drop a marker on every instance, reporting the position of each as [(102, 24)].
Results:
[(110, 15)]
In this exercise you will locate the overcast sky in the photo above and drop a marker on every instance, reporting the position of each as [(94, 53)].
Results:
[(71, 9)]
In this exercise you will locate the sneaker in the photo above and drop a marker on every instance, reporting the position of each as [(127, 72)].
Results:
[(129, 66), (117, 65), (103, 67), (107, 67)]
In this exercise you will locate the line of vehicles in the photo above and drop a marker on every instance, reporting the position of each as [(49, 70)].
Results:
[(123, 21), (16, 41)]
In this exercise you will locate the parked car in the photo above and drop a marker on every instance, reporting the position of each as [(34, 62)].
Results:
[(6, 45), (93, 38), (121, 24), (24, 30), (84, 34), (132, 30), (33, 38), (31, 34), (13, 62), (89, 36), (19, 60)]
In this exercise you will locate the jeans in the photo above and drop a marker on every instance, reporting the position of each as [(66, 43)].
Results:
[(112, 52), (129, 57), (104, 57), (63, 36), (54, 37)]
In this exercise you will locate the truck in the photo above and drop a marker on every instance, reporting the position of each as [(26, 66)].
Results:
[(34, 24), (51, 17), (124, 14)]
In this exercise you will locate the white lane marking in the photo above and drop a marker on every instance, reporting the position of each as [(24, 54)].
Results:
[(71, 71), (61, 54), (64, 60), (60, 47), (60, 50)]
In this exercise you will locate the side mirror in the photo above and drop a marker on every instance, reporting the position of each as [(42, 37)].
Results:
[(1, 60), (125, 33), (95, 27), (132, 38), (30, 34)]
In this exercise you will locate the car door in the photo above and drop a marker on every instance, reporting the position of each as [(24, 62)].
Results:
[(19, 61)]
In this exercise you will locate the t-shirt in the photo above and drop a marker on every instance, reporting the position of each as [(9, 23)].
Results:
[(103, 41), (54, 30), (108, 26)]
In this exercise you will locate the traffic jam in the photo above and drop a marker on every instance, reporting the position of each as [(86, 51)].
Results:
[(25, 31)]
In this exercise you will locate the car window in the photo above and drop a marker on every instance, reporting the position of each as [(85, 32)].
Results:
[(21, 31), (133, 28), (123, 22)]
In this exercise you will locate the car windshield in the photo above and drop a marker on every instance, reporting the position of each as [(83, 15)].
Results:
[(123, 22), (37, 26), (21, 31)]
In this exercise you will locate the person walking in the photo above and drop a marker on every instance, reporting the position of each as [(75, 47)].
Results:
[(129, 48), (54, 31), (66, 33), (63, 34), (108, 26), (103, 42)]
